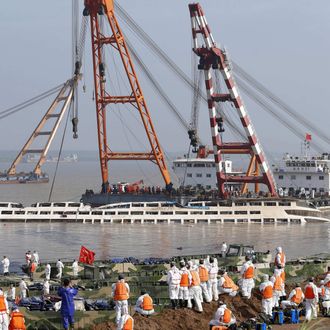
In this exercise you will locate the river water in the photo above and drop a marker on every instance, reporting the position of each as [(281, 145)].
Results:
[(64, 240)]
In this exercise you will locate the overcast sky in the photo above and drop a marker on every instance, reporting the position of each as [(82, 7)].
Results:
[(284, 44)]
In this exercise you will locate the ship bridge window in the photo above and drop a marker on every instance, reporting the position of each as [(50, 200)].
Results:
[(44, 212), (136, 212), (166, 212), (45, 204), (240, 204), (226, 212), (189, 175), (280, 177), (93, 213), (199, 165), (19, 212), (211, 204), (59, 204), (122, 213), (7, 212), (3, 204), (321, 177), (284, 204), (17, 206), (152, 205), (240, 212), (152, 212), (122, 206), (74, 204), (137, 205), (255, 203), (85, 212), (110, 213), (208, 175), (308, 177), (255, 212), (198, 175), (270, 203)]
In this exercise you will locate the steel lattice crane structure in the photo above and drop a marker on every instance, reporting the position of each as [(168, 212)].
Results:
[(103, 96), (211, 58)]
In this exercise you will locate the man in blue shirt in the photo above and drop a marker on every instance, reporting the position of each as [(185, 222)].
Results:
[(67, 293)]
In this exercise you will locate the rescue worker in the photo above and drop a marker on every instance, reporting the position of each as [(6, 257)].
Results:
[(28, 258), (12, 292), (4, 311), (312, 300), (126, 322), (75, 268), (204, 278), (266, 289), (23, 288), (60, 267), (195, 291), (45, 288), (324, 296), (280, 261), (226, 284), (213, 280), (295, 298), (185, 282), (67, 293), (223, 249), (144, 304), (33, 268), (247, 280), (120, 294), (278, 288), (17, 321), (48, 270), (173, 281), (223, 316), (5, 264), (35, 257)]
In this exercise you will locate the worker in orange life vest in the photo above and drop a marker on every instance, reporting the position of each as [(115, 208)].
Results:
[(280, 261), (4, 311), (226, 284), (195, 291), (223, 316), (247, 280), (17, 321), (203, 273), (184, 284), (327, 286), (312, 299), (144, 304), (126, 322), (266, 289), (120, 294), (213, 278), (295, 298), (324, 294), (279, 287), (173, 281)]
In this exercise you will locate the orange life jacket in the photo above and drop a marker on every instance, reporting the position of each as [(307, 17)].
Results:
[(226, 316), (309, 292), (195, 281), (2, 304), (282, 259), (203, 274), (17, 321), (322, 291), (184, 282), (249, 273), (128, 324), (268, 292), (327, 284), (283, 276), (121, 292), (297, 298), (33, 267), (147, 303), (229, 283), (278, 283)]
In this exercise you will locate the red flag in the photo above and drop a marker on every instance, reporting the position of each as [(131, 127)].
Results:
[(308, 137), (86, 256)]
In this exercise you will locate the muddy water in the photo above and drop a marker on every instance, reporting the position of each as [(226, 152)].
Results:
[(64, 240)]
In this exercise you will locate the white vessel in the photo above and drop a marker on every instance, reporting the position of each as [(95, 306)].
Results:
[(258, 211)]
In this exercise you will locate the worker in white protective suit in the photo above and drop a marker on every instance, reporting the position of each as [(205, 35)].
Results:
[(126, 322), (173, 281), (226, 284), (5, 265), (185, 283), (144, 304), (222, 317), (326, 295), (278, 288), (75, 268), (4, 311), (23, 288), (195, 291), (280, 261), (120, 294), (296, 297), (312, 299), (60, 267), (12, 292), (213, 278), (223, 249), (203, 273), (45, 288), (48, 270), (266, 289), (247, 280), (35, 257)]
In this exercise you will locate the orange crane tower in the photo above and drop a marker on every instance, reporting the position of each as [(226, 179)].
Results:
[(103, 97)]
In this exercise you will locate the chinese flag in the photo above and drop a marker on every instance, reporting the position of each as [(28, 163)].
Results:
[(86, 256), (308, 137)]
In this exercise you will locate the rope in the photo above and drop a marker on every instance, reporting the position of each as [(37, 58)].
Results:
[(59, 154)]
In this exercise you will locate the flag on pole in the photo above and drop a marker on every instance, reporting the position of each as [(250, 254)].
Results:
[(86, 256), (308, 137)]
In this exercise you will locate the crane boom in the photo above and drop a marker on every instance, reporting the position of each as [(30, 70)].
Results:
[(103, 97)]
